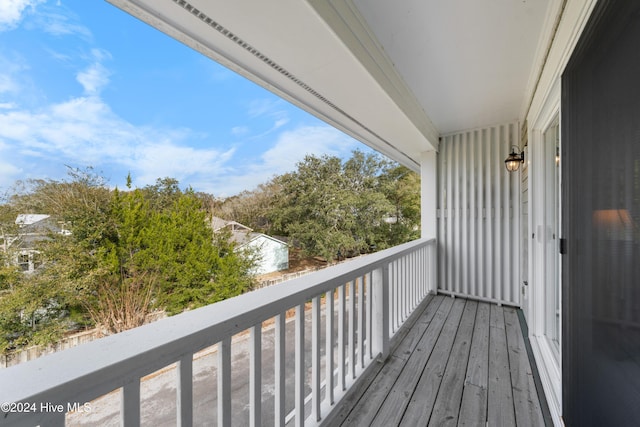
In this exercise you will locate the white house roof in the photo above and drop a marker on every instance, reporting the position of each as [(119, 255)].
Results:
[(29, 219), (244, 238), (219, 223), (240, 234)]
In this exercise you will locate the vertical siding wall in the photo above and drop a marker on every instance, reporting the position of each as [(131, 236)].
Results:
[(479, 215)]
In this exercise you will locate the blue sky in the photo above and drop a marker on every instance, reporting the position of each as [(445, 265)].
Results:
[(84, 84)]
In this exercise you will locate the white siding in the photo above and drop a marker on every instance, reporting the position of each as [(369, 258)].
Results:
[(274, 255), (479, 215)]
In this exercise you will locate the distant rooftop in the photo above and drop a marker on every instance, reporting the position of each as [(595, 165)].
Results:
[(29, 219)]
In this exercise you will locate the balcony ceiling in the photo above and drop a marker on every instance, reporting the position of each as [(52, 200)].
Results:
[(395, 75)]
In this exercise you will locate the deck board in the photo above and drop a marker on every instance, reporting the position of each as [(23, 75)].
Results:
[(500, 410), (473, 409), (372, 399), (397, 400), (426, 391), (462, 363), (447, 406), (525, 398)]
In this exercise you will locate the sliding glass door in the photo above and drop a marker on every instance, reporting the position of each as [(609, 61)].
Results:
[(601, 221)]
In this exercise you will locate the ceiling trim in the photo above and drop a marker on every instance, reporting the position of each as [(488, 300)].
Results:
[(551, 23), (350, 26), (575, 15)]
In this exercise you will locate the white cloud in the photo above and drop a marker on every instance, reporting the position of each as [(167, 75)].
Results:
[(58, 21), (240, 130), (93, 78), (7, 84), (85, 132), (9, 173), (265, 107), (276, 109), (290, 148), (186, 164), (12, 72), (12, 12)]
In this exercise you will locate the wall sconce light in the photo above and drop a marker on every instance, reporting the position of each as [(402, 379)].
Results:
[(514, 159)]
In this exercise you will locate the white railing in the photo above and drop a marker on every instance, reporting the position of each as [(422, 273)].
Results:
[(363, 302)]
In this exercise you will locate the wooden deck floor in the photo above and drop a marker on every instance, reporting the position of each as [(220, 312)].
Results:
[(458, 362)]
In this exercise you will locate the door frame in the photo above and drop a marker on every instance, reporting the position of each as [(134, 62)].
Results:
[(548, 364)]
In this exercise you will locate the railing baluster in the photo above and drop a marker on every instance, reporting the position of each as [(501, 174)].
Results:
[(330, 341), (416, 283), (420, 260), (431, 264), (425, 263), (406, 284), (396, 295), (130, 404), (399, 293), (399, 290), (224, 382), (361, 327), (369, 320), (407, 288), (299, 366), (341, 339), (255, 377), (414, 279), (407, 277), (315, 358), (421, 264), (279, 372), (400, 303), (352, 328), (185, 390), (393, 309)]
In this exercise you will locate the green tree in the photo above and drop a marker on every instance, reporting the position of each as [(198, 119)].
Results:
[(128, 252), (39, 307), (332, 208), (163, 194), (252, 208), (401, 187)]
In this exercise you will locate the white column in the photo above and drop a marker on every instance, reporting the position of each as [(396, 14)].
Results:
[(429, 203)]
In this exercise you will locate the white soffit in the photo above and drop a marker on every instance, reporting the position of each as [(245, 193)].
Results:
[(286, 47), (469, 63)]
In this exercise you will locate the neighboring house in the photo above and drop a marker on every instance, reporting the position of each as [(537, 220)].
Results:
[(272, 254), (32, 228)]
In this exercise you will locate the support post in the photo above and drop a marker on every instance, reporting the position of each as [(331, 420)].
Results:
[(429, 206), (380, 316)]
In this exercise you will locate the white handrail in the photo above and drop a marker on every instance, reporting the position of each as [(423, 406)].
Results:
[(94, 369)]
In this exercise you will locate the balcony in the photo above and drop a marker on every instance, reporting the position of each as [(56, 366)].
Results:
[(399, 355)]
